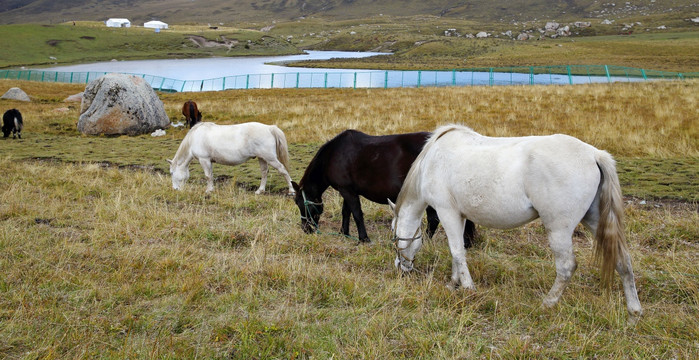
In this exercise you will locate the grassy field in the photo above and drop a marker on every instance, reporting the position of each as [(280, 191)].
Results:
[(102, 259), (35, 45)]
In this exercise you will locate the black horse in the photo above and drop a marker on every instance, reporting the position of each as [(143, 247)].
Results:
[(12, 123), (356, 164), (191, 113)]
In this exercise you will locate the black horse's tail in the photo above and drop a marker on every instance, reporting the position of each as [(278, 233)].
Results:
[(19, 124), (192, 114)]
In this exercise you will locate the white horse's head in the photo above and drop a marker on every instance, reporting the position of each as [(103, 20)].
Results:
[(179, 174), (406, 242)]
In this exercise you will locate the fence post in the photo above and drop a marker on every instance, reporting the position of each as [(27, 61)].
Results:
[(385, 80), (570, 78), (355, 80), (42, 75), (87, 77), (56, 77), (531, 75), (163, 81), (271, 82), (606, 70), (491, 77), (223, 86), (297, 80), (325, 81), (29, 76), (643, 72), (183, 84), (419, 77), (71, 77), (247, 81), (453, 77)]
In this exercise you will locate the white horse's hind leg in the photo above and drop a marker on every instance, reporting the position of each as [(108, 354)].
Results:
[(453, 224), (561, 242), (264, 170), (208, 172), (623, 267), (282, 170)]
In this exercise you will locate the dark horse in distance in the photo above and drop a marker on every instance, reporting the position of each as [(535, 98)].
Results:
[(12, 123), (356, 164), (191, 113)]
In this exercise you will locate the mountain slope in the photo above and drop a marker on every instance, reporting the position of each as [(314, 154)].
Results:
[(230, 11)]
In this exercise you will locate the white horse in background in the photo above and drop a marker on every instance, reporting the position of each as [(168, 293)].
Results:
[(504, 183), (231, 145)]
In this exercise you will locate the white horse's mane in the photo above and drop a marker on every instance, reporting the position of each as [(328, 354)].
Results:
[(186, 144), (411, 183)]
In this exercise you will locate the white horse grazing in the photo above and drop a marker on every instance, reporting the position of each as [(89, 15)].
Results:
[(231, 145), (507, 182)]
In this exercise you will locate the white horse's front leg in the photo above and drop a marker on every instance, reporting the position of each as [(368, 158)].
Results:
[(453, 224), (208, 172), (264, 169)]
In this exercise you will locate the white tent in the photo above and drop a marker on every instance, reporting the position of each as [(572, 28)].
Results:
[(117, 22), (155, 25)]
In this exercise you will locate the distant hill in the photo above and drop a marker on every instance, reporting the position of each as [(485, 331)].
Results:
[(235, 11)]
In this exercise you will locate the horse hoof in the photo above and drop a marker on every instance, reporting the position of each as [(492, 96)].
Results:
[(258, 192), (549, 303)]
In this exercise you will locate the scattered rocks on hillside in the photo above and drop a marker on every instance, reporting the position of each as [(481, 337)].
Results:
[(451, 32), (563, 31), (16, 93), (606, 22), (523, 37), (119, 104), (582, 24), (551, 26), (695, 20), (482, 35)]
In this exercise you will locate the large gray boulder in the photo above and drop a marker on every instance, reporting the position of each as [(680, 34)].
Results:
[(16, 93), (119, 104)]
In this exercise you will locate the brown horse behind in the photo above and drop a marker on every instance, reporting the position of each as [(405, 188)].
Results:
[(191, 113)]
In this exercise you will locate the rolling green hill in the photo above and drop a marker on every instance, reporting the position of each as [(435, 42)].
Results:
[(227, 11)]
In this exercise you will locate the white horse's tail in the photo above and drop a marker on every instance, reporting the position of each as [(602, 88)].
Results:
[(411, 183), (18, 124), (282, 148), (610, 245)]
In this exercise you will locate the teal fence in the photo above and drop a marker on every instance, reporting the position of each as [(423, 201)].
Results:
[(521, 75)]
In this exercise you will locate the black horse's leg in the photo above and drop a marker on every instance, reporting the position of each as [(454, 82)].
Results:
[(432, 221), (469, 234), (345, 218), (355, 207)]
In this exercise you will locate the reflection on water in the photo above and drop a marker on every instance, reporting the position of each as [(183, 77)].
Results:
[(209, 68)]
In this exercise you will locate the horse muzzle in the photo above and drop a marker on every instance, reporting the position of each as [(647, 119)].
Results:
[(404, 264)]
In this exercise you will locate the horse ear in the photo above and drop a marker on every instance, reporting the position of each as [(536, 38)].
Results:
[(296, 187), (169, 161), (392, 206)]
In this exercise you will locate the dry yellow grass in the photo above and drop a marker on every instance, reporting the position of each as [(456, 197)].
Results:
[(648, 119), (102, 262)]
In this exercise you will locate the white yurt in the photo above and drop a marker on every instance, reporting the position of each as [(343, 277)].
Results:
[(118, 22), (155, 24)]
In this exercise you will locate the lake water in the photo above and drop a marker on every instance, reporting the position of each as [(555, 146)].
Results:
[(210, 68), (269, 72)]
